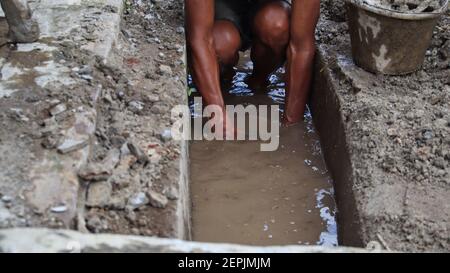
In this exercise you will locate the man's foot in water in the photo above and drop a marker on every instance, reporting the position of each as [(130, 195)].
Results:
[(257, 85), (226, 78)]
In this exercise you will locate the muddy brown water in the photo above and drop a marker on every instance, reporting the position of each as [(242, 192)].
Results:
[(245, 196)]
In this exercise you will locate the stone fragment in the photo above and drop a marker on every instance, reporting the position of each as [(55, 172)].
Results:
[(157, 200), (70, 145), (171, 193), (59, 209), (165, 70), (58, 109), (137, 201), (137, 152), (101, 170), (99, 194)]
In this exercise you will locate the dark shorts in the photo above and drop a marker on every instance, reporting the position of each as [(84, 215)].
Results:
[(240, 13)]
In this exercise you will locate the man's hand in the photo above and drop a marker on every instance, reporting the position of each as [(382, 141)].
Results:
[(202, 56)]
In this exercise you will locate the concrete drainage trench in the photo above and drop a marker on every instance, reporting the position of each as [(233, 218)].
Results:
[(244, 196), (378, 176)]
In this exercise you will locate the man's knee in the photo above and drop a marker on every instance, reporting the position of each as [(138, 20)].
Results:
[(227, 42), (271, 24)]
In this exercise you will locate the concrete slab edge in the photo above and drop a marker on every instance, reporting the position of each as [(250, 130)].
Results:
[(50, 241)]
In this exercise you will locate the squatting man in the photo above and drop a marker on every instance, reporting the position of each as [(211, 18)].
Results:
[(278, 32)]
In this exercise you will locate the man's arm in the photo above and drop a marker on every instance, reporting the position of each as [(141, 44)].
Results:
[(200, 41), (301, 51)]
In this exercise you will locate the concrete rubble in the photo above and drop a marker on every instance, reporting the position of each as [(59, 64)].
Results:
[(73, 152)]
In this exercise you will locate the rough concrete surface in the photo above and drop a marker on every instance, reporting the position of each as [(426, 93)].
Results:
[(393, 176), (48, 119), (147, 193), (85, 114)]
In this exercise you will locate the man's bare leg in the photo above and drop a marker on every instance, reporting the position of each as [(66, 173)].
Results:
[(22, 28), (227, 42), (271, 37), (203, 52)]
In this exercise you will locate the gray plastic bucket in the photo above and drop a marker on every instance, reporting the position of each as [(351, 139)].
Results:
[(389, 41)]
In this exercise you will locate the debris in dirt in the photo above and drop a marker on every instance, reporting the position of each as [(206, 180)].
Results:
[(392, 132), (7, 199), (70, 145), (137, 152), (19, 115), (101, 170), (59, 209), (137, 201), (99, 194), (152, 98), (374, 246), (136, 106), (5, 215), (383, 242), (52, 141), (50, 127), (159, 108), (120, 93), (171, 193), (85, 72), (427, 134), (166, 135), (157, 200), (96, 225), (131, 216), (154, 154), (117, 141), (58, 109), (165, 70), (111, 9)]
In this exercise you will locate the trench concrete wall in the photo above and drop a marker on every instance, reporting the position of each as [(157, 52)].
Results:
[(329, 121), (383, 138)]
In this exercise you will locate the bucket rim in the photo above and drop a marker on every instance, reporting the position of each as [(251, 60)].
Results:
[(397, 14)]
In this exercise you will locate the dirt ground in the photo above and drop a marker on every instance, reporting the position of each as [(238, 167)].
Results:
[(398, 130)]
